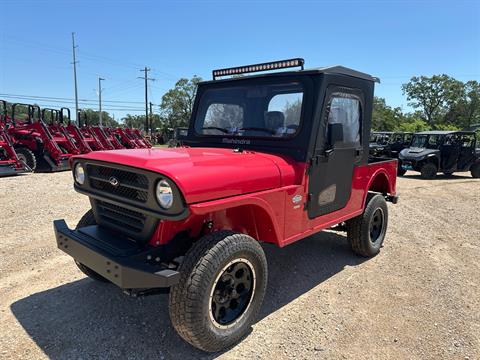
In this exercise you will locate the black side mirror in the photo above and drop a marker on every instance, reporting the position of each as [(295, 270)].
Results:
[(335, 134)]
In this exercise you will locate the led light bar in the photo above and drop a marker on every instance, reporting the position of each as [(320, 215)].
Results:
[(275, 65)]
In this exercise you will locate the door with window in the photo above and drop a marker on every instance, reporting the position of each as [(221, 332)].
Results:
[(338, 148), (467, 151)]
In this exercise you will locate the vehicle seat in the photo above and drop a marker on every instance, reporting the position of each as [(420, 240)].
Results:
[(275, 120)]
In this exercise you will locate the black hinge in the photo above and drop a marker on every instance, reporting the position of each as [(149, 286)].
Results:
[(309, 198)]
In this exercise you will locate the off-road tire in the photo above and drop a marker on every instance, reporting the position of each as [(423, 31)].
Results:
[(358, 228), (428, 171), (190, 303), (475, 170), (27, 156), (88, 219)]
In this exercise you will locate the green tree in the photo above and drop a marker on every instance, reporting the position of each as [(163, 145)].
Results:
[(93, 118), (138, 121), (434, 96), (177, 103), (466, 110), (412, 122), (384, 117)]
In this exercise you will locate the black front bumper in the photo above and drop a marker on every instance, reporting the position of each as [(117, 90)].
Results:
[(114, 258)]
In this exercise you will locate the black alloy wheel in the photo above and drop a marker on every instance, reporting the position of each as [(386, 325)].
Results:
[(232, 293)]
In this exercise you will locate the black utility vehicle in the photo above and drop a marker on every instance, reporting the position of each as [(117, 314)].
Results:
[(431, 152), (389, 145), (378, 141)]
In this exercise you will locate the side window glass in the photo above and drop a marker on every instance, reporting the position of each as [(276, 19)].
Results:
[(433, 141), (467, 141), (345, 110)]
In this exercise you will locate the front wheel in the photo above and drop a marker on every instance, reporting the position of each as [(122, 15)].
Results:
[(428, 171), (475, 170), (27, 157), (366, 232), (222, 286)]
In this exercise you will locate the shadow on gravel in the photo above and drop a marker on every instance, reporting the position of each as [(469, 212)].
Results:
[(85, 319)]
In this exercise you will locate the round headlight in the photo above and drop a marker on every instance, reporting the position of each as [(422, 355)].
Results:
[(79, 174), (164, 194)]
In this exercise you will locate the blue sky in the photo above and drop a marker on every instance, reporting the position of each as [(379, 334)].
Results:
[(393, 40)]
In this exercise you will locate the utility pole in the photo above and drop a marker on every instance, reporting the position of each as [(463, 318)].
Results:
[(151, 119), (146, 78), (75, 77), (100, 100)]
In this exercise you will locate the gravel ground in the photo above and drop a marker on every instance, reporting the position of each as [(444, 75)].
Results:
[(419, 299)]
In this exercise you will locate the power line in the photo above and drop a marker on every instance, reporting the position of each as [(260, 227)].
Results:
[(103, 108), (19, 96)]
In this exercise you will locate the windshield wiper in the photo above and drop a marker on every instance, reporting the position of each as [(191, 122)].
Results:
[(270, 131), (225, 131)]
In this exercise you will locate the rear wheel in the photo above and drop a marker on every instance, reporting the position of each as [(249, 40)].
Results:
[(87, 220), (222, 286), (366, 232), (475, 170), (428, 171), (27, 157)]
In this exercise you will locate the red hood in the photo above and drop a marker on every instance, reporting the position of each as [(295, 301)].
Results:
[(204, 173)]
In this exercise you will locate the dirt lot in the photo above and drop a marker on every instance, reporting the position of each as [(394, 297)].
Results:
[(419, 299)]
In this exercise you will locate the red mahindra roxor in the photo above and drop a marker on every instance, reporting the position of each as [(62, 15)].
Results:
[(272, 157)]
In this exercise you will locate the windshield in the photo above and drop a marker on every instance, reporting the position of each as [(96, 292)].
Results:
[(272, 110), (426, 141)]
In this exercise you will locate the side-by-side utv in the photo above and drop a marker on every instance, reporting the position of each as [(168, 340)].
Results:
[(431, 152), (389, 145)]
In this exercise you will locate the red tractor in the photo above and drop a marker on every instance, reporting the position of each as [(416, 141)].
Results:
[(88, 134), (101, 134), (74, 131), (142, 142), (34, 142), (110, 137), (126, 138), (269, 158), (51, 117), (10, 163)]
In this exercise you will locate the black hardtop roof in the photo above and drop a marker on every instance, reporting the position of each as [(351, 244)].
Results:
[(444, 132), (334, 70)]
